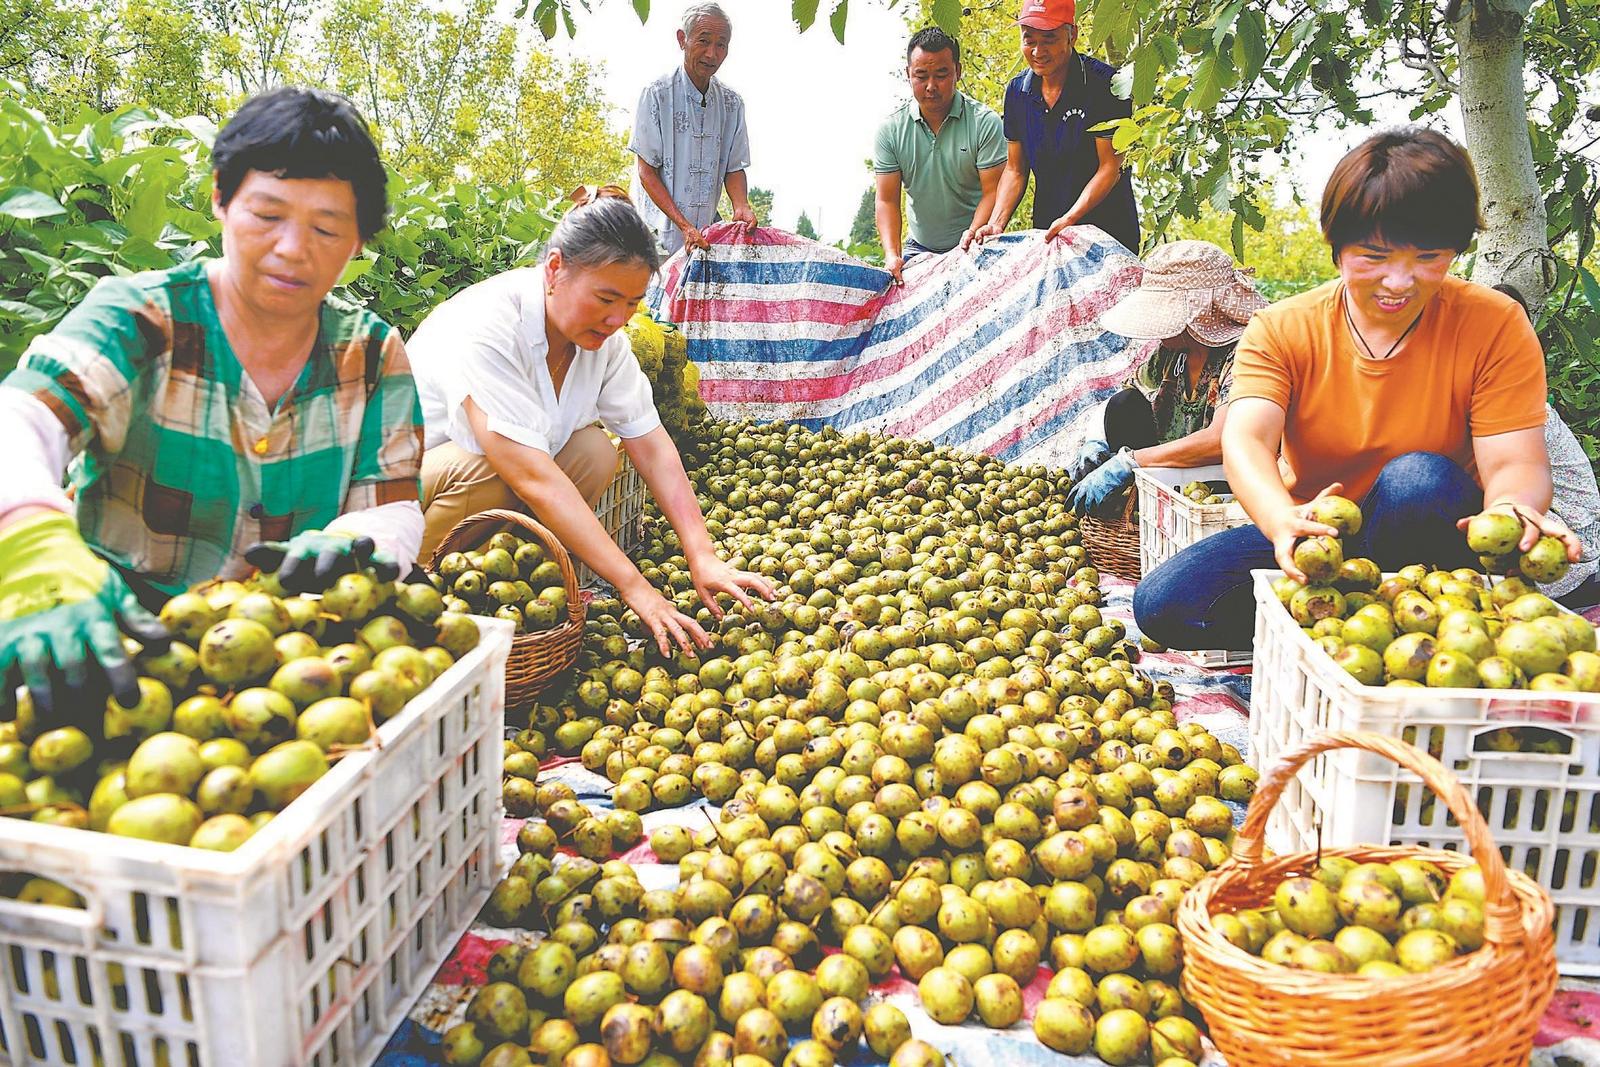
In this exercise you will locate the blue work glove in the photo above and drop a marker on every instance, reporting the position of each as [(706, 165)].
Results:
[(1091, 454), (309, 562), (63, 608), (1093, 488)]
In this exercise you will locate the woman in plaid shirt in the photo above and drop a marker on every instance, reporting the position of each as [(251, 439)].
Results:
[(222, 409)]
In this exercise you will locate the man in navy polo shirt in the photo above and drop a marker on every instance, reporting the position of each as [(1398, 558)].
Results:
[(1049, 114)]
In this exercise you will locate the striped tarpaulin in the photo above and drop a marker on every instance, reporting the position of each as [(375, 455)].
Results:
[(997, 350)]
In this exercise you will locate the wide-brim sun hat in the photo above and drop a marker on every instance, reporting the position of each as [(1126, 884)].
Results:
[(1191, 285)]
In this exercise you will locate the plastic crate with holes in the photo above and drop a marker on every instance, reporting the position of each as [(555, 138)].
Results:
[(621, 511), (1530, 760), (306, 946), (1170, 522)]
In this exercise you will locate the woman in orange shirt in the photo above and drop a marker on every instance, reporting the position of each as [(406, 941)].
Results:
[(1418, 394)]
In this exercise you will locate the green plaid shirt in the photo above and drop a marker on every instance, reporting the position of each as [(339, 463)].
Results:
[(181, 465)]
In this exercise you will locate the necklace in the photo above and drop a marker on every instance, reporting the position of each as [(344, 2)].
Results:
[(558, 377), (1344, 300)]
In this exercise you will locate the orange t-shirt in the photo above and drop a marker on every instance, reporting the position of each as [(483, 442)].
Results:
[(1472, 368)]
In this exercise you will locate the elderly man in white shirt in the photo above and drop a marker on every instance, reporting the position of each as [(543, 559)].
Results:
[(513, 373), (689, 135)]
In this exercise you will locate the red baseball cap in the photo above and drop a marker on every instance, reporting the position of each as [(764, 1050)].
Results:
[(1048, 14)]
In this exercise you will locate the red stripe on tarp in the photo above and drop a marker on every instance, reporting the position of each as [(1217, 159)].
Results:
[(787, 311), (833, 386), (1572, 1013), (1050, 412), (467, 964), (973, 379)]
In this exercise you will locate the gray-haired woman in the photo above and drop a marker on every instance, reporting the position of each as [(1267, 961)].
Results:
[(514, 372)]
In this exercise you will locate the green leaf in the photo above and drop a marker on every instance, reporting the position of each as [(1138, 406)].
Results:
[(1167, 48), (1206, 89), (1126, 134), (947, 15), (1224, 23), (1146, 67), (545, 14), (355, 269), (1250, 44), (20, 202), (20, 312), (1591, 288), (1237, 234), (147, 213), (804, 13), (836, 21), (642, 9)]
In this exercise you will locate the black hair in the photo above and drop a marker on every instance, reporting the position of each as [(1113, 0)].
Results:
[(1407, 186), (303, 133), (932, 39), (605, 229)]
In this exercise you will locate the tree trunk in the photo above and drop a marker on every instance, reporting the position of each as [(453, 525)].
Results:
[(1494, 114)]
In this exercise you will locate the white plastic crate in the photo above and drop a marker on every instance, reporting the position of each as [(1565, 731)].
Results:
[(620, 510), (307, 945), (1542, 808), (1170, 522)]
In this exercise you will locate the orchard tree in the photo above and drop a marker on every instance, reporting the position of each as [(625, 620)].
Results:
[(805, 228)]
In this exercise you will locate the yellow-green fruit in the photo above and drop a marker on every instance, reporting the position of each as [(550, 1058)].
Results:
[(1121, 1037), (1307, 907), (163, 817), (946, 995), (164, 763), (284, 772), (337, 721), (1064, 1025), (222, 833), (60, 751), (886, 1028)]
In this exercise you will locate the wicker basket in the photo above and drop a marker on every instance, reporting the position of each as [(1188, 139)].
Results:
[(1113, 544), (536, 658), (1481, 1010)]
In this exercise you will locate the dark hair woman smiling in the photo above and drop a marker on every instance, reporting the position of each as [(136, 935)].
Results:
[(1417, 394)]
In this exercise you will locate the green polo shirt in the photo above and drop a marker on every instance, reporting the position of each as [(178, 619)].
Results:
[(940, 173)]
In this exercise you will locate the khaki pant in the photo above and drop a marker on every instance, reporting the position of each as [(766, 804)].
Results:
[(457, 484)]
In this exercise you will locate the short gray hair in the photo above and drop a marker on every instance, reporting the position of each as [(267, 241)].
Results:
[(704, 9)]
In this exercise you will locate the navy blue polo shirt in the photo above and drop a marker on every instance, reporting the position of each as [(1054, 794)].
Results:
[(1060, 150)]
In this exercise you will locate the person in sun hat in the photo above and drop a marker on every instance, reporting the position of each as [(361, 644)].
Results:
[(1051, 111), (1195, 301)]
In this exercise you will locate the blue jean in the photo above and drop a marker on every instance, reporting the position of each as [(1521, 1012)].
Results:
[(1202, 597)]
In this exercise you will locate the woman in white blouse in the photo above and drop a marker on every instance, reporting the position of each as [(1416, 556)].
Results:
[(514, 372)]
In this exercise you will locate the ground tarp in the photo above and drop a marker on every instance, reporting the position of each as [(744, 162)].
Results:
[(997, 350)]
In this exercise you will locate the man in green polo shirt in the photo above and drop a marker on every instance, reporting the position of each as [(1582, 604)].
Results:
[(943, 148)]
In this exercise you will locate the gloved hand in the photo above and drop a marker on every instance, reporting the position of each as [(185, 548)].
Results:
[(61, 606), (309, 562), (1091, 454), (1106, 479)]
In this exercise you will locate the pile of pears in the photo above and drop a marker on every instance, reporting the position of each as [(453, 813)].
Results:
[(1444, 629), (931, 751), (662, 977), (1207, 493), (509, 577), (1378, 920), (238, 716)]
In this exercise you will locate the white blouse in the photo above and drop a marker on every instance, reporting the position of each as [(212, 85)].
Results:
[(488, 342)]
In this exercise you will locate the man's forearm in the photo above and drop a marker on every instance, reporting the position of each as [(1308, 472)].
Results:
[(888, 219), (660, 195), (1006, 199), (738, 186), (1105, 179)]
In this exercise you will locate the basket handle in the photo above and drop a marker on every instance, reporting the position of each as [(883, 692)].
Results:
[(1502, 915), (475, 529)]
